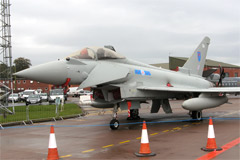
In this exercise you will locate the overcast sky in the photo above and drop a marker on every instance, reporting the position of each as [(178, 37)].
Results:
[(144, 30)]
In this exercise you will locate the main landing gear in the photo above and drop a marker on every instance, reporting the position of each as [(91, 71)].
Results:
[(196, 115), (114, 123), (134, 114)]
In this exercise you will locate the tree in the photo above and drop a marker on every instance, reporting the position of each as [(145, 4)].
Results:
[(3, 70), (22, 63)]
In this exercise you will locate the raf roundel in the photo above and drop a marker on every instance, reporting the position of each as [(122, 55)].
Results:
[(199, 56)]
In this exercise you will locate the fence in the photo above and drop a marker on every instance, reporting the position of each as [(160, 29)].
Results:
[(39, 112)]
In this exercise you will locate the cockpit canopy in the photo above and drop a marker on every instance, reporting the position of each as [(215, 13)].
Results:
[(96, 53)]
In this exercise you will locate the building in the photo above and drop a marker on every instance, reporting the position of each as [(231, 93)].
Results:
[(175, 62), (20, 85)]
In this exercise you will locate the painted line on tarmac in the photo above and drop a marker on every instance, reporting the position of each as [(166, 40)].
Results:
[(177, 128), (128, 141), (229, 113), (124, 142), (153, 134), (90, 150), (108, 146), (66, 156), (225, 147), (122, 124)]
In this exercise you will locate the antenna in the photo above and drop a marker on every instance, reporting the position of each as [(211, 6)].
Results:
[(6, 53)]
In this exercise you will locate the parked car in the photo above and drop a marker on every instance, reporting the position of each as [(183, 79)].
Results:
[(33, 99), (56, 93), (73, 92), (44, 96), (26, 93), (14, 97), (85, 92)]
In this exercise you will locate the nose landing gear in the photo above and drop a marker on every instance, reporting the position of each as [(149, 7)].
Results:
[(114, 123)]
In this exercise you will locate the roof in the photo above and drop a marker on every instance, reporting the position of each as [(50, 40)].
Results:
[(212, 63), (162, 65), (179, 61)]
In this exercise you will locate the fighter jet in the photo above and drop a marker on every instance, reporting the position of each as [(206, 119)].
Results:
[(119, 82)]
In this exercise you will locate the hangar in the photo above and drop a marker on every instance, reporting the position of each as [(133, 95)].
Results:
[(175, 62)]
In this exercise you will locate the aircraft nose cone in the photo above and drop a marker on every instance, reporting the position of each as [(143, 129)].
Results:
[(53, 73)]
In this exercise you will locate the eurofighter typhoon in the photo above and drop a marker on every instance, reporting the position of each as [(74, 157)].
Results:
[(119, 82)]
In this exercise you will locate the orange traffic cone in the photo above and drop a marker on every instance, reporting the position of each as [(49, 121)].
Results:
[(52, 147), (145, 148), (211, 143)]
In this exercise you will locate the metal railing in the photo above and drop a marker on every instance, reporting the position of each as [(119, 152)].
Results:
[(30, 113)]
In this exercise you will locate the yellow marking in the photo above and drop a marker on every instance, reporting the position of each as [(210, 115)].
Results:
[(165, 131), (153, 134), (177, 128), (90, 150), (186, 125), (196, 123), (138, 137), (124, 142), (66, 156), (108, 146)]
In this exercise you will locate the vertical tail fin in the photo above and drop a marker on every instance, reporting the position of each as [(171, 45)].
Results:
[(196, 62)]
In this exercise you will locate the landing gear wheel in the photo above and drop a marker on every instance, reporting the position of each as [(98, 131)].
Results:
[(197, 115), (135, 113), (114, 124)]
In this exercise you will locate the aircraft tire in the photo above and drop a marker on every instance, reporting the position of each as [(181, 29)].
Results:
[(197, 115), (114, 124)]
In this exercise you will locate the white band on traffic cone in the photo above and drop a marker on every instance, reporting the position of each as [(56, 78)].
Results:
[(144, 138), (211, 131), (52, 141)]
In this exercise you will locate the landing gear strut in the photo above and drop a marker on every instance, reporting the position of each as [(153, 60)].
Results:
[(114, 123), (197, 115)]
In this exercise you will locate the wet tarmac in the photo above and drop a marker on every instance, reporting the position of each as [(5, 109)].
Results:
[(171, 136)]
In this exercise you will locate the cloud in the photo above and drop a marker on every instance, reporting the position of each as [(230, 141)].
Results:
[(140, 29)]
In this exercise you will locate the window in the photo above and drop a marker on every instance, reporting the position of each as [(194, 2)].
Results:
[(226, 74), (19, 82), (235, 74), (24, 82), (86, 53), (46, 89), (31, 81)]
